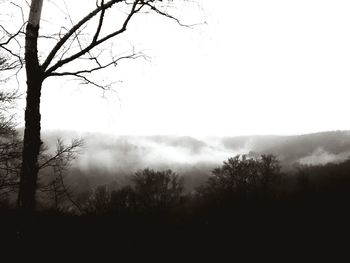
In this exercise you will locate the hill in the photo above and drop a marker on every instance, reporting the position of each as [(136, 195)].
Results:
[(110, 157)]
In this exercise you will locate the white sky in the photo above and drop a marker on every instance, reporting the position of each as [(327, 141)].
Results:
[(256, 67)]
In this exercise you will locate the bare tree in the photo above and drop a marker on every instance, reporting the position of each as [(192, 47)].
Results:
[(11, 148), (158, 190), (10, 144), (54, 186), (59, 62), (244, 175)]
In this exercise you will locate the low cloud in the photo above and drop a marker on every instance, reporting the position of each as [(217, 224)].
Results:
[(117, 155), (320, 156)]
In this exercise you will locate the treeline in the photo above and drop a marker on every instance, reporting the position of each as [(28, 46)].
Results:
[(240, 182), (247, 203)]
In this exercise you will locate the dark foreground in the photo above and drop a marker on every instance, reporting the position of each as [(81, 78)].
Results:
[(294, 233), (247, 211)]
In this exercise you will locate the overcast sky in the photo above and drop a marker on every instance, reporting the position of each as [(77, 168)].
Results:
[(255, 67)]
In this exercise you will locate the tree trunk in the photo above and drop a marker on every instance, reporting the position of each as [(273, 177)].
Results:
[(31, 140)]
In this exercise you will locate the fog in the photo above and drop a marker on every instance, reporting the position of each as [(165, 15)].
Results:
[(121, 155), (320, 156)]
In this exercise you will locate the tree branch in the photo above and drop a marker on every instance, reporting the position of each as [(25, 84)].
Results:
[(63, 40), (62, 150), (100, 67), (96, 42)]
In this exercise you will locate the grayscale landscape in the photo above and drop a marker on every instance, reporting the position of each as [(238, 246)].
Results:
[(185, 130)]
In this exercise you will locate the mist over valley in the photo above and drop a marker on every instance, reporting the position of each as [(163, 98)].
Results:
[(111, 158)]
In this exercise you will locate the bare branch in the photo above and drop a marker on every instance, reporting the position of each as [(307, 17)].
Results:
[(18, 63), (100, 23), (95, 43), (59, 162), (21, 9), (100, 67), (69, 152), (74, 29), (11, 36), (165, 14)]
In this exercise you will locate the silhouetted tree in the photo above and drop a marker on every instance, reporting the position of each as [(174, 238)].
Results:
[(151, 192), (53, 167), (10, 158), (10, 144), (99, 200), (157, 190), (124, 201), (58, 63), (303, 184), (269, 172), (243, 175)]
